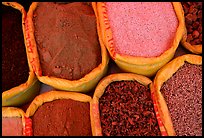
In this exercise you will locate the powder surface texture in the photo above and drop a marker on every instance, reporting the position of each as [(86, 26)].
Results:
[(67, 39), (144, 29), (12, 126), (64, 117), (183, 95)]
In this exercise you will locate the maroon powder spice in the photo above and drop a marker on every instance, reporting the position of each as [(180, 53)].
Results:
[(183, 95), (15, 70), (126, 109), (67, 39), (64, 117)]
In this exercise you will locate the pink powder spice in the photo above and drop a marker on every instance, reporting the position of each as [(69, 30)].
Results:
[(144, 29), (12, 126)]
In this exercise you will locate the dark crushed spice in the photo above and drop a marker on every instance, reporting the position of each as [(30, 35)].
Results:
[(15, 70), (183, 95), (126, 109), (193, 21)]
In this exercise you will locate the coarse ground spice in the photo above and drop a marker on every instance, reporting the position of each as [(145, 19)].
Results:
[(126, 109), (144, 29), (64, 117), (15, 70), (193, 21), (12, 126), (67, 40), (183, 95)]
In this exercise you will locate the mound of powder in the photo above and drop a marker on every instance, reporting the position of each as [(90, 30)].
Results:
[(144, 29), (64, 117), (67, 39), (12, 126)]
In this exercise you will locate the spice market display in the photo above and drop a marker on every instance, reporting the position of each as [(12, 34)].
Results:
[(101, 68), (141, 37)]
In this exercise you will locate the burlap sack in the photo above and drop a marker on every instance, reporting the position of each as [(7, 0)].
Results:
[(162, 76), (13, 112), (99, 91), (84, 84), (139, 65), (25, 92), (51, 96)]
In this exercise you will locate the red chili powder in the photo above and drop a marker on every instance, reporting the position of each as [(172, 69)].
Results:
[(62, 117), (144, 29)]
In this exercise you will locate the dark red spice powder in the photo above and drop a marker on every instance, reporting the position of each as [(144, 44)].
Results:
[(15, 70)]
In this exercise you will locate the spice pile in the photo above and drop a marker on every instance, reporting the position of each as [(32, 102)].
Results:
[(67, 39), (64, 117), (193, 20), (144, 29), (126, 109), (183, 95), (15, 70)]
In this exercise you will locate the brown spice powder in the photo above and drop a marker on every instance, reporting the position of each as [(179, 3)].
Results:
[(64, 117), (67, 39)]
